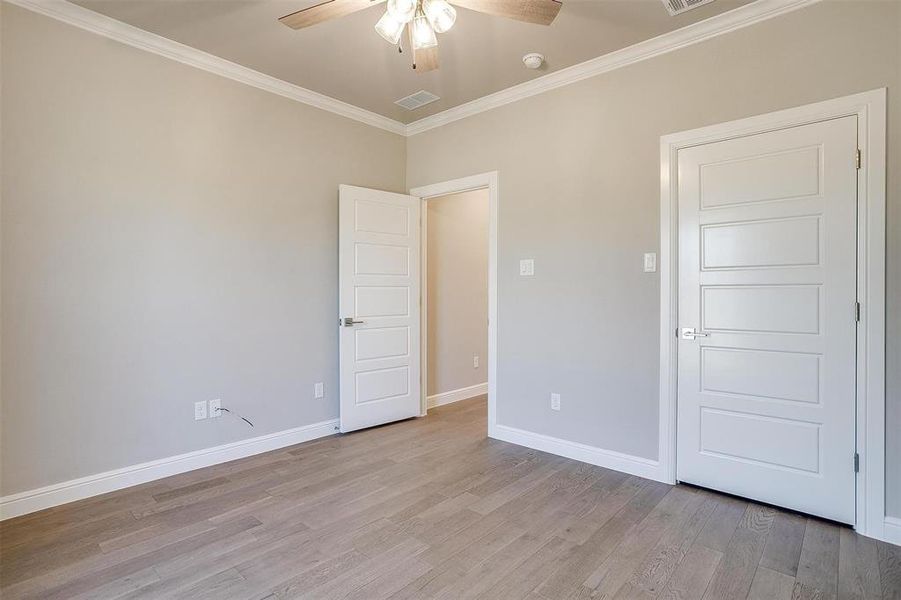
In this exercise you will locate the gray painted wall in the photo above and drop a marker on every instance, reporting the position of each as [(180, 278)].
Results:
[(580, 193), (457, 290), (168, 236)]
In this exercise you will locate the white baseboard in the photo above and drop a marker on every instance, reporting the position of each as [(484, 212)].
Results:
[(892, 531), (626, 463), (457, 395), (93, 485)]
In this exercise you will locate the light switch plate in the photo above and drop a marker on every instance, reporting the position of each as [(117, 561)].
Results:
[(200, 410), (527, 267), (318, 390), (650, 262)]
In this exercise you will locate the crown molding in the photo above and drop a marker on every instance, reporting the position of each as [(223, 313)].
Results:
[(744, 16), (86, 19), (735, 19)]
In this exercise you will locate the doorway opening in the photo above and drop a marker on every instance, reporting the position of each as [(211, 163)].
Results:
[(455, 377), (455, 297)]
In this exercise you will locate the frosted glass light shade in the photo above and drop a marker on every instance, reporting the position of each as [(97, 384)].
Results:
[(390, 28), (423, 34), (402, 10), (440, 14)]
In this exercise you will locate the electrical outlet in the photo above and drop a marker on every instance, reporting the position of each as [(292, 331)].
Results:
[(475, 361), (200, 410), (650, 262), (215, 411), (555, 401), (318, 390), (527, 267)]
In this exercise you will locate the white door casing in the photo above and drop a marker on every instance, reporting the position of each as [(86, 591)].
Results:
[(378, 278), (767, 269), (490, 182)]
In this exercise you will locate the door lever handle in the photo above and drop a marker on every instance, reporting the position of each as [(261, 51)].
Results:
[(350, 322), (689, 333)]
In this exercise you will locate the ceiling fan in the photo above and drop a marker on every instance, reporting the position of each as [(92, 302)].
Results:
[(423, 19)]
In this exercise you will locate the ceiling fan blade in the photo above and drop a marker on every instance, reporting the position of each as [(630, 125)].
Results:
[(426, 60), (325, 11), (541, 12)]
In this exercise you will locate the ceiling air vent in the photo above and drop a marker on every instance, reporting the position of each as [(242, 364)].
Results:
[(676, 7), (417, 100)]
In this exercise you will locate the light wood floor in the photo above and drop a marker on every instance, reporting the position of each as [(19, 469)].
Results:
[(430, 508)]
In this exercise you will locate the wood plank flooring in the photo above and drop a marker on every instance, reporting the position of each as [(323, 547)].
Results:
[(431, 508)]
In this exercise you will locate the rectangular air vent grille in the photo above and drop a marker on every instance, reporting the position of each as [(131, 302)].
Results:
[(414, 101), (676, 7)]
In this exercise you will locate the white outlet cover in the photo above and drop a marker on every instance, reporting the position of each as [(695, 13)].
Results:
[(527, 267), (200, 410), (475, 361), (318, 390), (555, 401), (214, 408), (650, 262)]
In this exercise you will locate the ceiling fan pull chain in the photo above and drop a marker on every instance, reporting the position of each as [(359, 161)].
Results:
[(412, 46)]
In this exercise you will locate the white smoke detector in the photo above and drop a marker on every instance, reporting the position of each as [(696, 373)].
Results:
[(533, 60)]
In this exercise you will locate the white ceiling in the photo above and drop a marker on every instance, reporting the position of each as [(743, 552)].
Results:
[(347, 60)]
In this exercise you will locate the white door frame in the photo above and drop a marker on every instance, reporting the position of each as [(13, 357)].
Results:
[(487, 181), (870, 109)]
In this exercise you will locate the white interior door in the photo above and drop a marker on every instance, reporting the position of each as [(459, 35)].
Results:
[(767, 276), (378, 265)]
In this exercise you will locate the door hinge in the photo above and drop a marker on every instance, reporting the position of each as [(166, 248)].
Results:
[(859, 161), (857, 311), (856, 462)]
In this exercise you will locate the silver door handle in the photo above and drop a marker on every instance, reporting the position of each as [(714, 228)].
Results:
[(689, 333), (349, 322)]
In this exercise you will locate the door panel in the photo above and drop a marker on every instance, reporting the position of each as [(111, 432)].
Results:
[(793, 445), (382, 259), (761, 244), (378, 256), (382, 384), (790, 376), (382, 342), (382, 301), (764, 177), (767, 269), (749, 309)]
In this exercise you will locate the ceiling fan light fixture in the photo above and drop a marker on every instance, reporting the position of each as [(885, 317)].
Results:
[(390, 28), (423, 34), (402, 10), (440, 13)]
